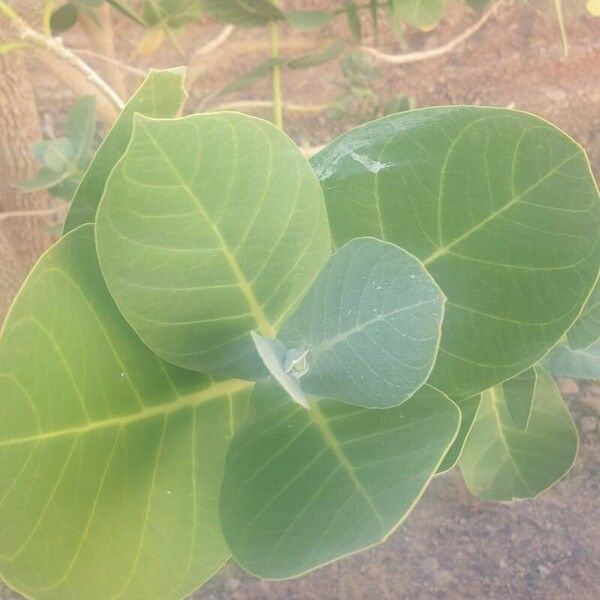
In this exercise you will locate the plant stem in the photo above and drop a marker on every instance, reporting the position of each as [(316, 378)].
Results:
[(561, 25), (54, 46), (276, 76)]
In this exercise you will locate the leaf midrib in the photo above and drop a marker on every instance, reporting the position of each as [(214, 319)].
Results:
[(216, 390), (264, 325)]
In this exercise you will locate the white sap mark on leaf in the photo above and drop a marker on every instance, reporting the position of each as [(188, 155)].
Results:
[(371, 165)]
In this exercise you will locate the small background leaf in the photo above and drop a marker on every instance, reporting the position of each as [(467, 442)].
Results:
[(243, 13), (583, 363), (501, 462)]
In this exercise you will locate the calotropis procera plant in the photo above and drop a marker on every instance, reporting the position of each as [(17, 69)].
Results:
[(233, 352)]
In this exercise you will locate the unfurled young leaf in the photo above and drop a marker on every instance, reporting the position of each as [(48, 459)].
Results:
[(371, 324), (501, 208), (110, 459), (304, 487), (243, 13), (160, 95), (210, 227), (502, 462)]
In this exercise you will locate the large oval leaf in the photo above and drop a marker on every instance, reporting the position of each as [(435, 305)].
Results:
[(160, 95), (210, 226), (371, 324), (304, 487), (502, 209), (110, 459), (502, 462)]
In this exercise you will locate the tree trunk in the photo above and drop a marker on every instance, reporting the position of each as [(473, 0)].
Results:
[(22, 238)]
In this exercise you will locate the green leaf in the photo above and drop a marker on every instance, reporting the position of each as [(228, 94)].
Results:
[(304, 487), (170, 13), (56, 154), (583, 363), (110, 459), (160, 95), (502, 209), (250, 77), (353, 21), (63, 18), (468, 411), (44, 179), (318, 57), (477, 5), (244, 13), (124, 8), (424, 14), (80, 127), (518, 397), (501, 462), (210, 226), (371, 323), (586, 329), (308, 19)]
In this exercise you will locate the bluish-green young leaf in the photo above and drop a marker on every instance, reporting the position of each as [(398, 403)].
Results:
[(583, 363), (424, 14), (518, 397), (502, 209), (244, 13), (502, 462), (308, 19), (371, 324), (586, 329), (210, 226), (80, 127), (160, 95), (110, 460), (304, 487), (468, 411)]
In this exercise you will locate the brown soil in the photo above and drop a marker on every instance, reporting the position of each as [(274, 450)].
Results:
[(452, 546)]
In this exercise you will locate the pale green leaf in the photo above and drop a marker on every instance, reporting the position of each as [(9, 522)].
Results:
[(371, 324), (44, 179), (424, 14), (468, 411), (501, 462), (210, 226), (583, 363), (80, 127), (318, 57), (586, 329), (518, 397), (244, 13), (308, 19), (304, 487), (160, 95), (249, 77), (502, 209), (110, 459)]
